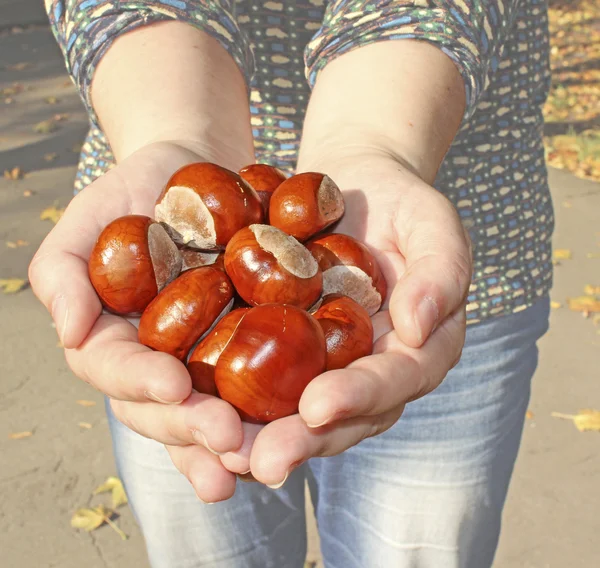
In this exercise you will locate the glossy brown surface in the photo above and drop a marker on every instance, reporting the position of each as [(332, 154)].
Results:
[(348, 330), (305, 204), (273, 354), (232, 203), (264, 179), (336, 249), (184, 310), (260, 278), (203, 360), (120, 266), (193, 258)]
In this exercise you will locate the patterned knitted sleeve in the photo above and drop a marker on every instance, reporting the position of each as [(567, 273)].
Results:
[(470, 32), (85, 29)]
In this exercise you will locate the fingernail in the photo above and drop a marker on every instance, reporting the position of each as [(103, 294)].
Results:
[(280, 484), (201, 439), (205, 502), (245, 472), (151, 396), (426, 317), (335, 416), (60, 315)]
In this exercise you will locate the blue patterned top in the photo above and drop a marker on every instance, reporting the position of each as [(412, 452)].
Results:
[(494, 172)]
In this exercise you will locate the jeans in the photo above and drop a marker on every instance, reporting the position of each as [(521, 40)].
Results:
[(428, 493)]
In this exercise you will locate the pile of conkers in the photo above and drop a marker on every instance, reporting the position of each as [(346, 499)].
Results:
[(236, 277)]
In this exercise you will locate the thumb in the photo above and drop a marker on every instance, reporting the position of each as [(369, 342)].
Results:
[(437, 250)]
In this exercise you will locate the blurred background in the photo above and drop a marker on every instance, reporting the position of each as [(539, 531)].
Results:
[(54, 439)]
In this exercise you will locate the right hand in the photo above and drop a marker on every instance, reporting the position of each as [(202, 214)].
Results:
[(150, 392)]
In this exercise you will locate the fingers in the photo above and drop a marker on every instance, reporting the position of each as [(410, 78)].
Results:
[(211, 481), (283, 446), (201, 419), (239, 461), (394, 375), (58, 273), (113, 361), (438, 272)]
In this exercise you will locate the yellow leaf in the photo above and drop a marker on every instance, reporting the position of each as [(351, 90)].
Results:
[(12, 285), (14, 174), (17, 243), (91, 519), (86, 402), (584, 420), (114, 485), (20, 435), (555, 305), (590, 290), (46, 126), (529, 415), (51, 100), (52, 214), (584, 304), (593, 255), (50, 157), (85, 425), (562, 254), (27, 193)]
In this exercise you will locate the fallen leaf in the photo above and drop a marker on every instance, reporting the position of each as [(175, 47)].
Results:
[(593, 255), (50, 157), (51, 100), (12, 285), (584, 420), (16, 244), (567, 204), (86, 402), (9, 101), (114, 485), (555, 305), (85, 425), (562, 254), (14, 174), (529, 415), (20, 435), (584, 304), (91, 519), (590, 290), (27, 193), (19, 66), (60, 117), (51, 213), (46, 126)]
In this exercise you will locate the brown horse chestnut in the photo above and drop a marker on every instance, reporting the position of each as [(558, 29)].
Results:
[(264, 179), (348, 330), (305, 204), (203, 359), (131, 262), (185, 309), (349, 268), (273, 353), (267, 266), (193, 258), (204, 205)]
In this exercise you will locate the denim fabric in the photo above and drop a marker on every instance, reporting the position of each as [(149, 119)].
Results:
[(428, 493)]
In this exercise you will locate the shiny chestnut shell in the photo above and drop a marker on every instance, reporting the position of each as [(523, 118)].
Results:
[(264, 179), (205, 204), (274, 352), (349, 268), (132, 260), (348, 330), (185, 310), (203, 359), (267, 266), (305, 204)]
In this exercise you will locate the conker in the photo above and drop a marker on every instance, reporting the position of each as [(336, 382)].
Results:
[(274, 352), (185, 309), (203, 359), (193, 258), (205, 204), (131, 262), (267, 266), (348, 330), (264, 179), (349, 268), (305, 204)]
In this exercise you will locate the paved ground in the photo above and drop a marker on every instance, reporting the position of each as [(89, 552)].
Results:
[(551, 520)]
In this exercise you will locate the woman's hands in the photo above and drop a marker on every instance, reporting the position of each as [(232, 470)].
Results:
[(150, 392)]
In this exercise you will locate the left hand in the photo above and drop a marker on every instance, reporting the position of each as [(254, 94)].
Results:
[(424, 251)]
